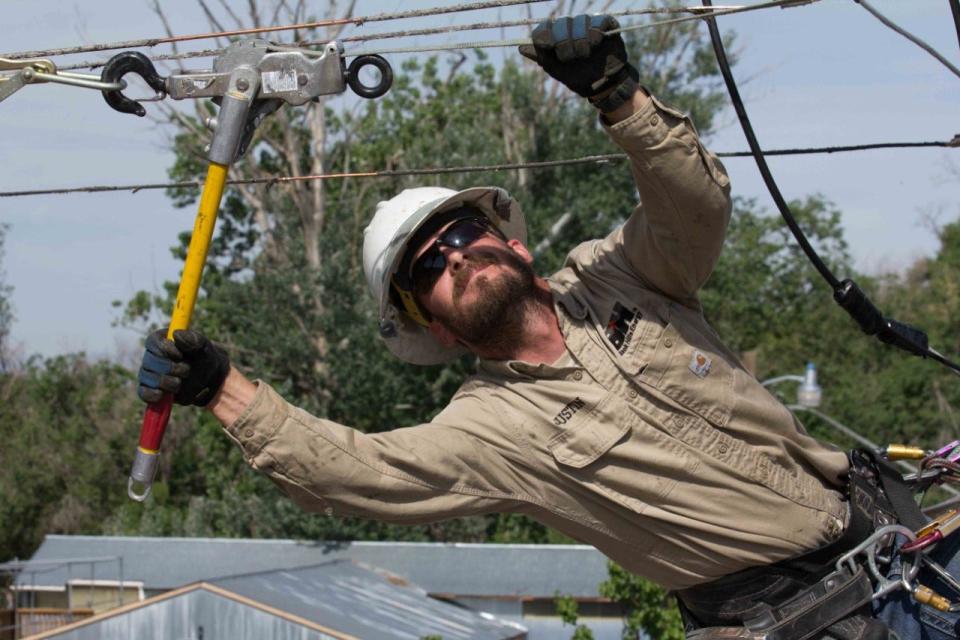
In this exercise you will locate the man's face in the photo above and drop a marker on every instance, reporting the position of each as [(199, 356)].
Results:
[(480, 292)]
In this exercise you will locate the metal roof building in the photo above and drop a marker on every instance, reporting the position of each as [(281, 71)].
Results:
[(335, 600), (513, 582), (522, 570)]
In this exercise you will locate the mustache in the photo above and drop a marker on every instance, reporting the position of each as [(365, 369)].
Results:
[(475, 262)]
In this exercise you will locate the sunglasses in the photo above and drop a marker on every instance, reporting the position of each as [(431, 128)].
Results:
[(427, 269)]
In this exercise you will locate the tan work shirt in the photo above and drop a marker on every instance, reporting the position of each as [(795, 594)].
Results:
[(648, 439)]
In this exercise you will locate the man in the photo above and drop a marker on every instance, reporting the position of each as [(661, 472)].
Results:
[(604, 405)]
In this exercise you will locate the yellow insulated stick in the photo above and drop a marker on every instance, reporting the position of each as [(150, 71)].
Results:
[(158, 413)]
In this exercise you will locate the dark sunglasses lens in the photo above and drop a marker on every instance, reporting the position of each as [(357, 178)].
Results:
[(428, 268), (463, 233)]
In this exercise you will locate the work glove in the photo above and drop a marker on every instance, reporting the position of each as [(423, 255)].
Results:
[(190, 367), (576, 52)]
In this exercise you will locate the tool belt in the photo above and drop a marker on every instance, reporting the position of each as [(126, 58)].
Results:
[(808, 596)]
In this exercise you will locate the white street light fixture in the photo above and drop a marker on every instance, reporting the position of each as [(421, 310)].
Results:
[(809, 394)]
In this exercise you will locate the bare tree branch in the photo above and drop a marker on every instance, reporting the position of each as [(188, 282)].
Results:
[(233, 16), (166, 25), (254, 13), (211, 18)]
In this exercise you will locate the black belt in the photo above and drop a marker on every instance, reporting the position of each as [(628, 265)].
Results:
[(804, 596)]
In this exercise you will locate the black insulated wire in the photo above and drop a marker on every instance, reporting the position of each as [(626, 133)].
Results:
[(846, 293), (758, 155), (955, 9)]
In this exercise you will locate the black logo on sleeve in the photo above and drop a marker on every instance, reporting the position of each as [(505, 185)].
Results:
[(621, 326), (568, 410)]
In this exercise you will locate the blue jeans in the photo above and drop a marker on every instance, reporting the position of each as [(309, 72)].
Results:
[(913, 621)]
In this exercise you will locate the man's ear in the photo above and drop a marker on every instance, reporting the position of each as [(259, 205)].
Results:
[(441, 334), (521, 250)]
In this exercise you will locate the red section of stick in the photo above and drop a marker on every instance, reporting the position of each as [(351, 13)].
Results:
[(155, 423)]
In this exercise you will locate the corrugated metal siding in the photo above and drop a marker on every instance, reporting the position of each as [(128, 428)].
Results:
[(491, 569), (196, 615)]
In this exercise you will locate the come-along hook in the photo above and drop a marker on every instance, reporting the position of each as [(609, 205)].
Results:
[(130, 62)]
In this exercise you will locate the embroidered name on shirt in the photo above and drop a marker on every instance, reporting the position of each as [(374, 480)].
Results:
[(568, 410), (620, 327)]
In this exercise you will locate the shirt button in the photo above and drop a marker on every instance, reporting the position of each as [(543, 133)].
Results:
[(668, 343), (632, 393), (578, 375), (654, 120), (248, 433), (722, 448)]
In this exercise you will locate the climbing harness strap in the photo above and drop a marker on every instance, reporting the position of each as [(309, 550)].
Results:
[(828, 590)]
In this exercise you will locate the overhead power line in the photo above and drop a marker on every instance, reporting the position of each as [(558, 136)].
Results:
[(909, 36), (699, 14), (546, 164), (955, 10), (476, 26), (359, 21)]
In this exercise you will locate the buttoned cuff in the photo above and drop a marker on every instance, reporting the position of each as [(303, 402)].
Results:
[(259, 421), (645, 128)]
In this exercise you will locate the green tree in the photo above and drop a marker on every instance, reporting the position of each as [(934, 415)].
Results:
[(68, 428), (6, 310), (649, 610), (566, 607)]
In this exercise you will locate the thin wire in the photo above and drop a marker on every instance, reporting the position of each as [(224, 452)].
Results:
[(955, 10), (432, 31), (489, 44), (861, 310), (909, 36), (593, 159), (359, 21), (754, 145)]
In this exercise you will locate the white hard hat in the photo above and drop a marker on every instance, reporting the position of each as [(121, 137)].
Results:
[(385, 243)]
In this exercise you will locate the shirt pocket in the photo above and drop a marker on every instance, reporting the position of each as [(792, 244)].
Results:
[(689, 367), (611, 451)]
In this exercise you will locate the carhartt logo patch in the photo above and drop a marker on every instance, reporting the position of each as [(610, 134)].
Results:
[(620, 327), (568, 410), (700, 364)]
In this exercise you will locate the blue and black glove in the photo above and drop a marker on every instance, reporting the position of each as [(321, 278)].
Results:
[(190, 367), (577, 52)]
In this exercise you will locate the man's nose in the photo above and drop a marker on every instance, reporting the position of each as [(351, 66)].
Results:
[(456, 257)]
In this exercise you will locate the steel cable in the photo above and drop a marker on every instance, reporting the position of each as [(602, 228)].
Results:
[(847, 294), (476, 26), (151, 42), (699, 14), (955, 10), (909, 36), (593, 159)]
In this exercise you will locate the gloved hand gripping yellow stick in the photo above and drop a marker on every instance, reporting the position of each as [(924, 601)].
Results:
[(288, 76), (158, 413), (232, 129)]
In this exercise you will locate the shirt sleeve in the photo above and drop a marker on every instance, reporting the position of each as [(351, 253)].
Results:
[(425, 473), (673, 238)]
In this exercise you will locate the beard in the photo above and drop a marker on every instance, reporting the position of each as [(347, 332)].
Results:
[(494, 322)]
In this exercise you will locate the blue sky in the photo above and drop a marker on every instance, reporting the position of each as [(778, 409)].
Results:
[(820, 74)]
